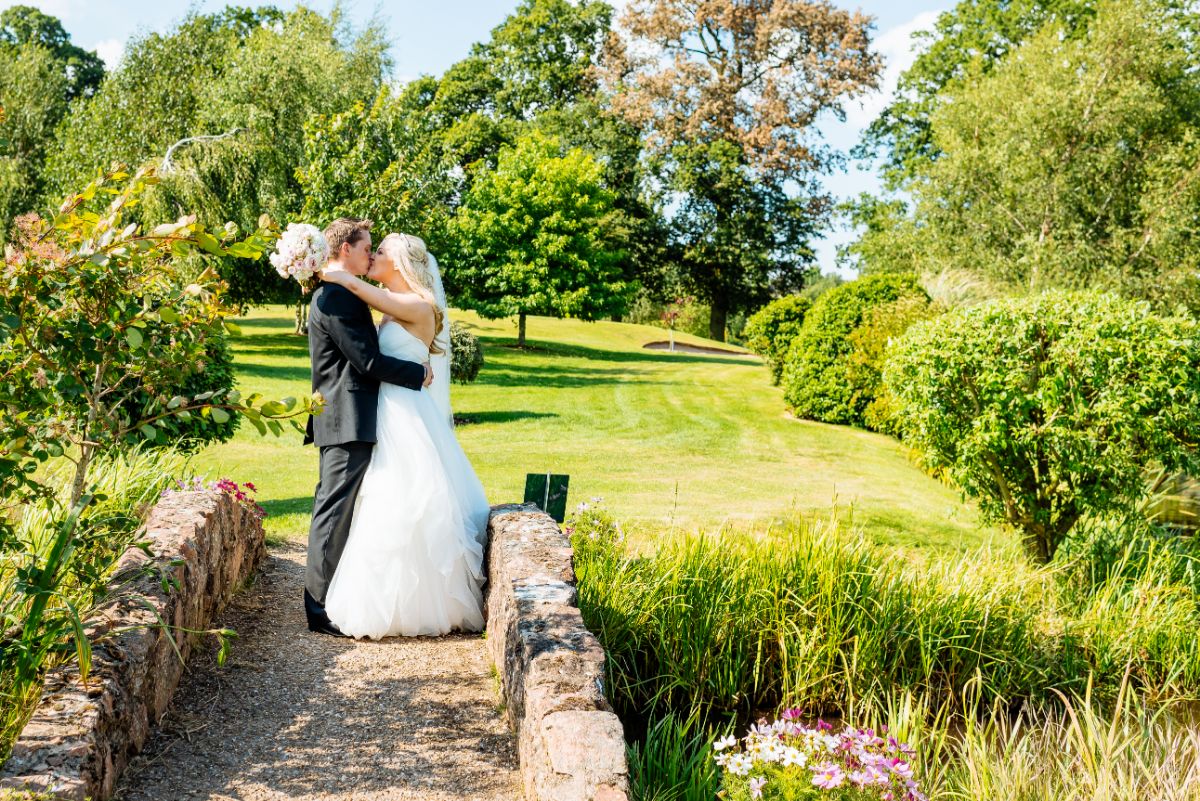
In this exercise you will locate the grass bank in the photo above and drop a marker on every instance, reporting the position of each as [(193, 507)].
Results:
[(669, 440)]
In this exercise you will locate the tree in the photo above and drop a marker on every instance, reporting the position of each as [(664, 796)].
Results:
[(1073, 163), (537, 70), (33, 96), (80, 70), (966, 42), (1048, 408), (379, 162), (540, 59), (532, 237), (232, 92), (727, 93)]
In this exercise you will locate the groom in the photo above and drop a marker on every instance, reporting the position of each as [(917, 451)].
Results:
[(346, 369)]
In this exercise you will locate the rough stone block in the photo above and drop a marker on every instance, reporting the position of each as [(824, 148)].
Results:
[(81, 736), (571, 744)]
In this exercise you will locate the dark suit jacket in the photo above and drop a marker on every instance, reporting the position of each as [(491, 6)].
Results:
[(347, 367)]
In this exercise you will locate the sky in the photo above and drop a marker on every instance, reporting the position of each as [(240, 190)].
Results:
[(427, 37)]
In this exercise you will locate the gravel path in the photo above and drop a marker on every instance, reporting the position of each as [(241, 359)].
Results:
[(295, 715)]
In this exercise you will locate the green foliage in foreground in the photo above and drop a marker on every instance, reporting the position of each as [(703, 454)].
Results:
[(1046, 409), (814, 616), (818, 377), (1001, 676), (53, 575)]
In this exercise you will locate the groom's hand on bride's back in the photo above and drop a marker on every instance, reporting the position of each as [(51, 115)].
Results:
[(428, 373)]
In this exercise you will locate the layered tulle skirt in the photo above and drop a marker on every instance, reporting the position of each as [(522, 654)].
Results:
[(413, 563)]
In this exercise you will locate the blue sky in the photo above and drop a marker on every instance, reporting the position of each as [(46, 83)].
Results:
[(427, 37)]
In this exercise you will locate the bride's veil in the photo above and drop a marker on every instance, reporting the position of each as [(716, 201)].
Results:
[(440, 362)]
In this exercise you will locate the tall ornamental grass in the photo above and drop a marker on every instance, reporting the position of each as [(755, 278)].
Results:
[(812, 615), (55, 569)]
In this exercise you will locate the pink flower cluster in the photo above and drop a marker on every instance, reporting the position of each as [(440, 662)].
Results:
[(301, 252), (242, 493), (867, 764)]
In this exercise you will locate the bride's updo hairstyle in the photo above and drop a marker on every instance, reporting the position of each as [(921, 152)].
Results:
[(411, 258)]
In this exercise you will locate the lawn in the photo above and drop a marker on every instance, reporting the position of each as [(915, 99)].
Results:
[(666, 439)]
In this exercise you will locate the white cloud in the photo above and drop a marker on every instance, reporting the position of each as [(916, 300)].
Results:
[(898, 50), (110, 51)]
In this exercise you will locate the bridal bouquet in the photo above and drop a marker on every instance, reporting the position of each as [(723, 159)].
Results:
[(787, 761), (301, 253)]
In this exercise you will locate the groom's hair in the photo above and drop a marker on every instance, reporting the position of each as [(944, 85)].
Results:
[(345, 231)]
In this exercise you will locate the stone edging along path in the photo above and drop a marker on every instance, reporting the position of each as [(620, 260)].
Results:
[(571, 745), (81, 736)]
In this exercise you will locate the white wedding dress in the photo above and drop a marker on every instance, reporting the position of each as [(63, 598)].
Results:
[(413, 563)]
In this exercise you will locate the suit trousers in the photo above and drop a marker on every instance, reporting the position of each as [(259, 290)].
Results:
[(341, 475)]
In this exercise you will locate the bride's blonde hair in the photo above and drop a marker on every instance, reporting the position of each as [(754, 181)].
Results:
[(410, 256)]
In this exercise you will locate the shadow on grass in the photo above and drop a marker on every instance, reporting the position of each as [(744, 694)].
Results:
[(508, 345), (282, 372), (474, 418), (289, 506)]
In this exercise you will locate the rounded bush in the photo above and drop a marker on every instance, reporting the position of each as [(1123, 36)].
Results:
[(770, 330), (466, 354), (818, 378), (869, 345), (1049, 408)]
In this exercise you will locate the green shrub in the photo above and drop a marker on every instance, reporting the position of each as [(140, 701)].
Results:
[(214, 373), (817, 377), (1049, 408), (466, 354), (770, 330), (868, 351)]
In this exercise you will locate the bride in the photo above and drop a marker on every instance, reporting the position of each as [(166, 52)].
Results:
[(413, 563)]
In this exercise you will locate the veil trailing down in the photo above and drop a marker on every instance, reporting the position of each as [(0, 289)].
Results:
[(440, 389), (413, 562)]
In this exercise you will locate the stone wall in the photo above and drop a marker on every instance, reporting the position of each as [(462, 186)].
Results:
[(81, 736), (571, 744)]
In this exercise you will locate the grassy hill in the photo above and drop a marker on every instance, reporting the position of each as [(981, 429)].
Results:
[(666, 439)]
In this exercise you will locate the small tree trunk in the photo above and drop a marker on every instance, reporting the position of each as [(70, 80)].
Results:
[(81, 471), (716, 321), (302, 318), (521, 330)]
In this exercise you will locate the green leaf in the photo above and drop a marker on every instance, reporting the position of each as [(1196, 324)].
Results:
[(232, 328), (176, 402), (220, 415), (209, 243), (134, 337), (148, 431), (168, 314)]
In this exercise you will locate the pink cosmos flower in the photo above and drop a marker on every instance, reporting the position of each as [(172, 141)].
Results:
[(828, 776), (756, 785)]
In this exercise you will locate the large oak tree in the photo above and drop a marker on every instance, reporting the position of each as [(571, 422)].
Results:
[(728, 93)]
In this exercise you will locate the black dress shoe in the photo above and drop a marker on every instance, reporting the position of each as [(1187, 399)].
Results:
[(326, 627), (318, 620)]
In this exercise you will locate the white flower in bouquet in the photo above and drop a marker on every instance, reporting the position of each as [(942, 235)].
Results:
[(301, 252)]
